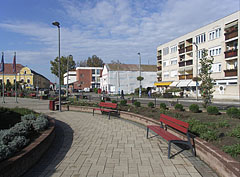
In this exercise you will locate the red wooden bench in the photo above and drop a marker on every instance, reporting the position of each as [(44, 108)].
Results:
[(107, 107), (180, 126)]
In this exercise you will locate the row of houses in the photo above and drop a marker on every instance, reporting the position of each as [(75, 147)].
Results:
[(112, 78), (26, 76)]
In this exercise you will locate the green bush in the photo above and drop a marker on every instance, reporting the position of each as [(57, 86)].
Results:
[(179, 107), (40, 123), (235, 132), (151, 105), (163, 106), (101, 101), (209, 135), (114, 101), (233, 112), (137, 103), (233, 150), (223, 124), (212, 110), (194, 108), (123, 102)]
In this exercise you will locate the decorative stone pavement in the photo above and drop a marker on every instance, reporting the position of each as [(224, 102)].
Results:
[(93, 146)]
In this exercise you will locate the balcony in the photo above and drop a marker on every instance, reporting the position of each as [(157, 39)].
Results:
[(159, 79), (181, 63), (159, 57), (182, 50), (189, 76), (231, 34), (231, 53), (188, 48), (230, 72), (189, 62), (159, 68), (181, 77)]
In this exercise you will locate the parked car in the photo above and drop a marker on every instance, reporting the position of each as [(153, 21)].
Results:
[(86, 89)]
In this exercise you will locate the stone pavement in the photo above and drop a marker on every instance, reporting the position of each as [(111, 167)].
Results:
[(94, 146)]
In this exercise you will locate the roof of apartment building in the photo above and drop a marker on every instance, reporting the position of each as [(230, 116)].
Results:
[(131, 67), (8, 69)]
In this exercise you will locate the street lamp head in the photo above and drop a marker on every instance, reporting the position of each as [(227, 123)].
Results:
[(56, 24), (138, 53)]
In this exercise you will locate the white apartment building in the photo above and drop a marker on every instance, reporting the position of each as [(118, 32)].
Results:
[(117, 77), (178, 60), (72, 77)]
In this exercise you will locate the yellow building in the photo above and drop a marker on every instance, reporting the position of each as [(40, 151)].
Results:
[(25, 75)]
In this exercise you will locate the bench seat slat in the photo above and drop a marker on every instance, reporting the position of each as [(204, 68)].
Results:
[(163, 133), (174, 125), (179, 122)]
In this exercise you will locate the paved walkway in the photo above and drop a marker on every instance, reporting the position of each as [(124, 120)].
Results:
[(94, 146)]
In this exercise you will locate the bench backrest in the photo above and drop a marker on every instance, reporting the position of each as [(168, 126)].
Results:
[(108, 105), (174, 123)]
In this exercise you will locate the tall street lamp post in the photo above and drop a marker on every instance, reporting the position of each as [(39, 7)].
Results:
[(140, 87), (59, 64), (196, 70), (70, 56)]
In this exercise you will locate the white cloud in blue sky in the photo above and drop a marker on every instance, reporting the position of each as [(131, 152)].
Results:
[(111, 29)]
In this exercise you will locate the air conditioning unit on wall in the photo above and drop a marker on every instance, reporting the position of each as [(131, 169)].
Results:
[(221, 89)]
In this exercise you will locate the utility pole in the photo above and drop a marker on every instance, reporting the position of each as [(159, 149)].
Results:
[(140, 86), (196, 70)]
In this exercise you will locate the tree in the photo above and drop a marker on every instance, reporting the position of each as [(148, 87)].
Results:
[(116, 62), (206, 87), (82, 63), (94, 61), (63, 67), (140, 78)]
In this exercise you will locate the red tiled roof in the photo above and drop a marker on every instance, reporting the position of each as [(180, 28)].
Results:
[(8, 68)]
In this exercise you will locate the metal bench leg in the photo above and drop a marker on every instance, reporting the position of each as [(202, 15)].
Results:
[(109, 115), (169, 149), (147, 131), (93, 112)]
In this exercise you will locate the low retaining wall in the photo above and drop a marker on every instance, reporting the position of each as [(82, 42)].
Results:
[(27, 157), (222, 163)]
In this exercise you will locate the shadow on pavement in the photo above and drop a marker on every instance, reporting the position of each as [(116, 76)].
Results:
[(55, 154)]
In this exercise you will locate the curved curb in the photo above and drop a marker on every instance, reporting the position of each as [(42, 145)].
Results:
[(27, 157), (222, 163)]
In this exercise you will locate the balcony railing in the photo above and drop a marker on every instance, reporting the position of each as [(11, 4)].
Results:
[(181, 77), (188, 48), (159, 79), (182, 50), (159, 68), (189, 62), (230, 72), (231, 53), (232, 34), (184, 77), (159, 57), (181, 63)]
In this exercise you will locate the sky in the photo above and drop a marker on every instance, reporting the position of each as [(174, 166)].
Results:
[(110, 29)]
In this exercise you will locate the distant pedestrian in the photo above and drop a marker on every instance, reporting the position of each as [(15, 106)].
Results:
[(122, 95), (149, 94)]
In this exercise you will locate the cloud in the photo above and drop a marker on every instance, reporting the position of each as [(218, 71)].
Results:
[(118, 29)]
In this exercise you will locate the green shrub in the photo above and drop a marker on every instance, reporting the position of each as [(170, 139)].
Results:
[(233, 112), (123, 102), (151, 105), (137, 103), (194, 108), (233, 150), (212, 110), (40, 123), (223, 124), (209, 135), (163, 106), (114, 101), (101, 101), (235, 132), (179, 107)]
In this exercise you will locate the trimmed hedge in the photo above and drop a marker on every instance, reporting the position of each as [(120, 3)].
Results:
[(179, 107), (194, 108), (151, 105), (163, 106), (212, 110), (233, 112)]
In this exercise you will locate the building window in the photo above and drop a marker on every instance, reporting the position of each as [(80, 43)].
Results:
[(8, 81), (28, 81), (166, 74), (81, 82), (174, 73), (98, 71), (215, 51), (214, 34), (174, 61), (165, 63), (93, 71), (165, 50), (200, 38), (25, 72), (81, 75), (173, 49), (200, 54), (93, 79), (216, 67)]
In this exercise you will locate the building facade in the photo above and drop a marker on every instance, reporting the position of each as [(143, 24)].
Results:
[(178, 61), (27, 77), (117, 77), (87, 77)]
